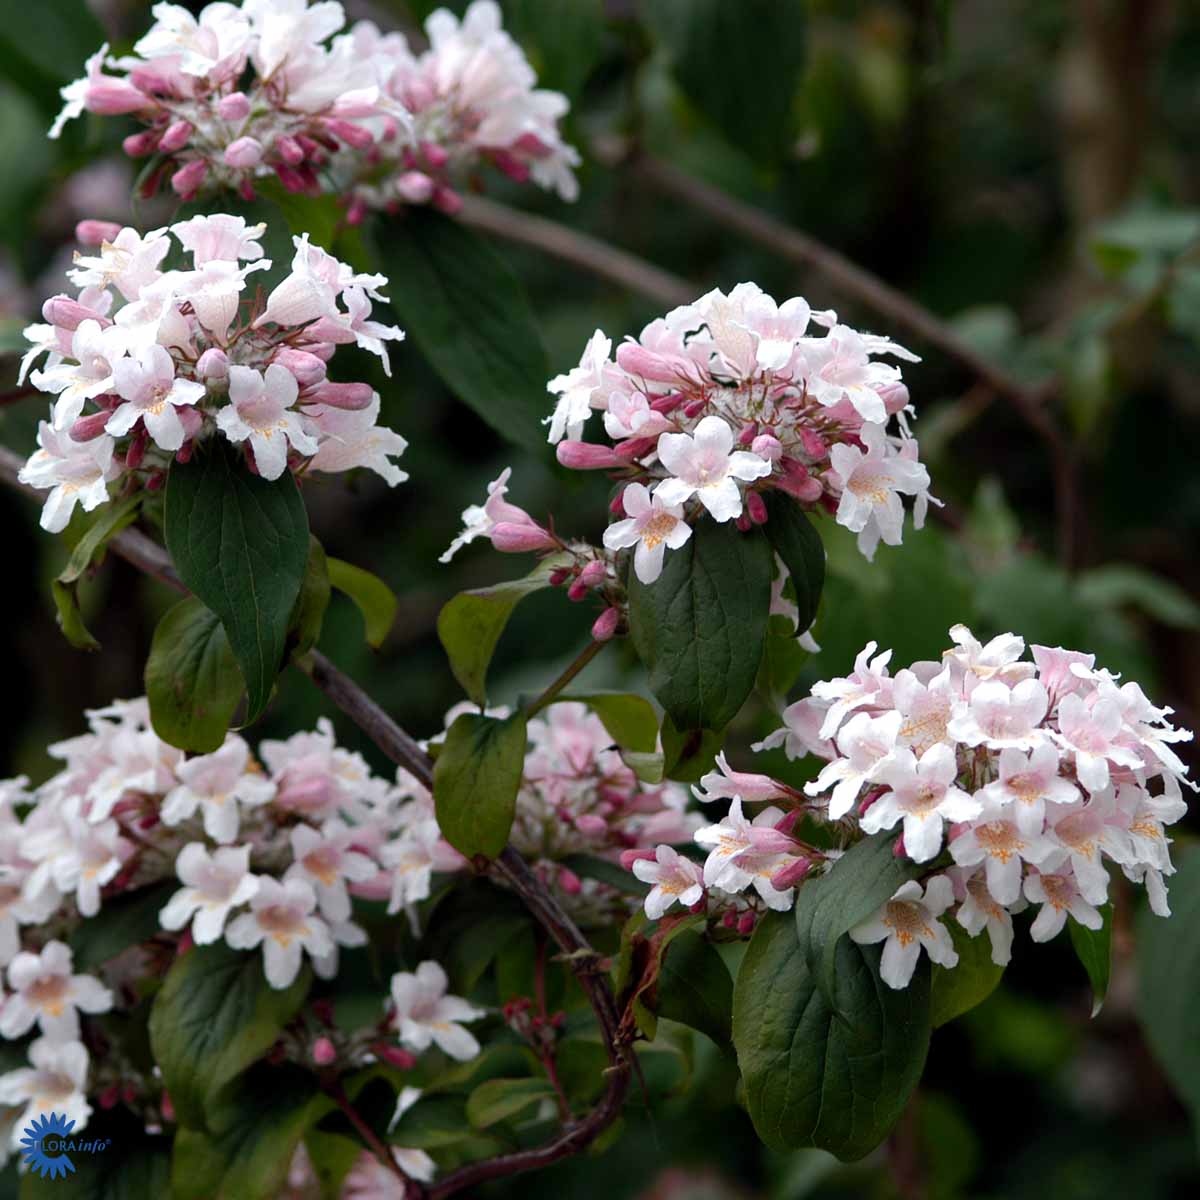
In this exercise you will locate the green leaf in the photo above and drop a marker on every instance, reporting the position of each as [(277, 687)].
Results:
[(630, 719), (248, 1152), (192, 680), (470, 317), (562, 41), (815, 1075), (795, 540), (470, 624), (957, 990), (588, 866), (700, 627), (828, 906), (433, 1122), (638, 966), (1157, 597), (475, 782), (215, 1015), (240, 543), (695, 988), (125, 921), (333, 1157), (373, 598), (308, 615), (45, 45), (739, 64), (111, 519), (1168, 975), (498, 1099), (690, 753), (1093, 948), (467, 930)]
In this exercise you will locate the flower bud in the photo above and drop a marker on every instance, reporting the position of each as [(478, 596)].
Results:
[(138, 145), (436, 156), (756, 508), (511, 166), (894, 397), (187, 180), (289, 150), (792, 874), (629, 857), (594, 574), (114, 98), (89, 427), (245, 152), (530, 143), (234, 107), (394, 1056), (635, 447), (308, 369), (578, 591), (665, 404), (177, 136), (797, 482), (415, 186), (168, 1109), (92, 233), (748, 434), (352, 396), (447, 200), (591, 825), (605, 625), (323, 1052), (513, 537), (559, 576), (110, 1097), (693, 408), (290, 178), (898, 850), (729, 920), (348, 132), (418, 95), (356, 211), (68, 314), (586, 456), (137, 448), (616, 505), (569, 881), (745, 924), (814, 445), (213, 364), (767, 446), (743, 524)]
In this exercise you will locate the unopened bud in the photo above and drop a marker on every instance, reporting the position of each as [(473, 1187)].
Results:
[(518, 537), (351, 396), (323, 1052), (234, 107), (289, 150), (436, 156), (511, 166), (814, 444), (606, 624), (578, 591), (308, 369), (569, 881), (729, 920), (629, 857), (746, 923), (92, 233), (394, 1056), (138, 145), (693, 408), (748, 434), (743, 524), (894, 397), (594, 574), (767, 446), (187, 180), (348, 132), (586, 456), (591, 825), (447, 200), (68, 314), (898, 850), (168, 1109), (792, 874), (559, 576), (213, 364), (616, 505), (245, 152), (89, 427), (177, 136), (756, 508), (415, 186), (110, 1097), (114, 98)]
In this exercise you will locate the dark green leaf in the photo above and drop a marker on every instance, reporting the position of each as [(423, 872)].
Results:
[(373, 598), (240, 543), (1158, 597), (475, 782), (469, 315), (1093, 948), (308, 615), (125, 921), (630, 719), (192, 680), (828, 906), (700, 627), (45, 45), (469, 928), (470, 625), (956, 990), (432, 1122), (215, 1015), (562, 41), (690, 753), (587, 866), (795, 540), (837, 1079), (498, 1099), (739, 64), (333, 1157), (695, 989)]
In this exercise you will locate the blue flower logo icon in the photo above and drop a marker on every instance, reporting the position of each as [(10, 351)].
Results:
[(51, 1166)]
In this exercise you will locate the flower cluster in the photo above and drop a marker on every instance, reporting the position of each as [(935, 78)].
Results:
[(238, 94), (1017, 782), (147, 360), (733, 395)]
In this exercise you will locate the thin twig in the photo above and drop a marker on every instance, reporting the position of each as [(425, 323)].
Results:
[(580, 661), (579, 249), (337, 1094)]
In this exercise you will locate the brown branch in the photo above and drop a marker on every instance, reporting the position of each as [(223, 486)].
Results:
[(145, 554), (581, 250), (337, 1094), (580, 661)]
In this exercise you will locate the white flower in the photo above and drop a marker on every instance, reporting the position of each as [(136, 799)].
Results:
[(45, 992), (151, 392), (652, 526), (479, 519), (704, 464), (75, 473), (425, 1015), (1081, 835), (926, 705), (283, 920), (212, 46), (979, 911), (868, 683), (924, 796), (871, 483), (1059, 896), (412, 858), (369, 335), (1001, 717), (79, 855), (800, 732), (129, 262), (907, 922), (1091, 733), (97, 351), (577, 389), (56, 1081), (744, 853), (219, 236), (261, 411), (997, 660), (1028, 782), (725, 783), (995, 840), (310, 291), (847, 372), (867, 743), (216, 784), (327, 859), (215, 884), (674, 878), (414, 1163), (214, 290)]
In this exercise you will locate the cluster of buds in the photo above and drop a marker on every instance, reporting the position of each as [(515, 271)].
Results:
[(1013, 780), (146, 361), (238, 94), (731, 396)]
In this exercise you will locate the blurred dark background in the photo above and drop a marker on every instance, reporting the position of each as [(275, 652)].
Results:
[(1028, 170)]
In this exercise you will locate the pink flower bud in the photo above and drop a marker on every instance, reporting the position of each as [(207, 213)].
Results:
[(447, 200), (594, 574), (402, 1060), (89, 427), (513, 167), (137, 448), (245, 152), (616, 505), (114, 97), (308, 369), (693, 408), (591, 825), (605, 625), (168, 1109), (578, 591), (234, 107), (894, 397), (513, 537), (746, 923), (289, 150), (790, 875), (418, 95), (898, 850), (436, 156), (352, 396), (530, 143), (634, 448), (756, 508), (187, 180), (290, 178), (743, 524), (629, 857), (323, 1052), (177, 136), (748, 434), (92, 233), (213, 364), (767, 446), (869, 799), (67, 313), (356, 213), (138, 145), (415, 186), (665, 404), (348, 132), (729, 920), (797, 482), (569, 881), (586, 456), (814, 444)]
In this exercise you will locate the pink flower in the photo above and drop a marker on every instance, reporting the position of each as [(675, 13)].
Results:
[(652, 526), (674, 878), (151, 393), (705, 465)]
